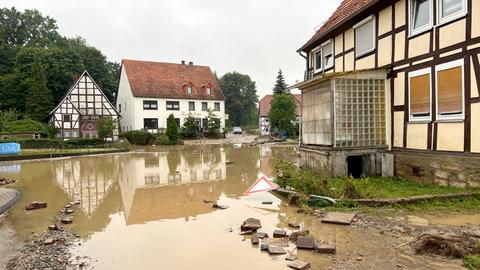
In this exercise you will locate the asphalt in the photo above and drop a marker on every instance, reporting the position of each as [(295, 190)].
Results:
[(8, 197)]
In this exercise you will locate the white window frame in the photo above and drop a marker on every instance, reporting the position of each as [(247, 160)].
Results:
[(443, 20), (323, 55), (365, 21), (189, 90), (445, 66), (414, 32), (416, 73), (209, 90), (314, 59)]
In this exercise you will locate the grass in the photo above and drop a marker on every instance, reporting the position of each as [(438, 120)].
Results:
[(31, 152), (472, 262), (307, 183), (389, 187)]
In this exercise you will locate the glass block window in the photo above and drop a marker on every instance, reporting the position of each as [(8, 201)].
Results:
[(360, 112)]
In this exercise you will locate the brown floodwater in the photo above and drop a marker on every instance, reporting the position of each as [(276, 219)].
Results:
[(146, 210)]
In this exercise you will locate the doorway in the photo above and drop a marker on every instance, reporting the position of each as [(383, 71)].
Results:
[(355, 166)]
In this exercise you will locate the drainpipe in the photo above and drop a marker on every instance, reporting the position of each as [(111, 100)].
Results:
[(300, 123)]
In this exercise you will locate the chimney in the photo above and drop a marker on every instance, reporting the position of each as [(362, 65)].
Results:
[(183, 62), (190, 63)]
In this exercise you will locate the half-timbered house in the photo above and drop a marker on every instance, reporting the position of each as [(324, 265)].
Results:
[(393, 86), (76, 116)]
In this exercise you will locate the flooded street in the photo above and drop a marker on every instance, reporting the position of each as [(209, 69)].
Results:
[(146, 210)]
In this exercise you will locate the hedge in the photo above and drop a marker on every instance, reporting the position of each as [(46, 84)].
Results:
[(138, 137), (43, 143)]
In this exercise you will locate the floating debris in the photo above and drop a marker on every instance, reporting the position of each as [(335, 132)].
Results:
[(35, 205), (279, 234)]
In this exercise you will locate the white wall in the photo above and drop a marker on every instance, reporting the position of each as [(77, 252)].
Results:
[(126, 100)]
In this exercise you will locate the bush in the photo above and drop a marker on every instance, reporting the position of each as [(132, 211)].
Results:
[(190, 128), (172, 130), (161, 139), (138, 137), (26, 126)]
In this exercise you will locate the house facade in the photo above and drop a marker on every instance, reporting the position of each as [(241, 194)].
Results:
[(148, 92), (264, 108), (391, 87), (76, 116)]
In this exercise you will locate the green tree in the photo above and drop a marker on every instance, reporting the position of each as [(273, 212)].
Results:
[(8, 116), (213, 124), (190, 127), (280, 85), (283, 113), (241, 98), (172, 130), (105, 127), (39, 100)]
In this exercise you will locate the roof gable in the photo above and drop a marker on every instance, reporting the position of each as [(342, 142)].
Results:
[(86, 86), (167, 80)]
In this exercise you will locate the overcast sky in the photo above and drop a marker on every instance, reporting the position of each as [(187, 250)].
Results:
[(254, 37)]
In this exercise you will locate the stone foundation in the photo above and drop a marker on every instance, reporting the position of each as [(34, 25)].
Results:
[(332, 162), (446, 169)]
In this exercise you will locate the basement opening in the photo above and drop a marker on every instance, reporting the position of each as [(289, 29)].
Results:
[(355, 166)]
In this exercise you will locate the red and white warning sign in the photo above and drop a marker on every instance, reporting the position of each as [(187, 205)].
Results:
[(261, 185)]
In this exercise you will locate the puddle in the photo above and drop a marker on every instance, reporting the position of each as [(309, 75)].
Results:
[(444, 220), (146, 210)]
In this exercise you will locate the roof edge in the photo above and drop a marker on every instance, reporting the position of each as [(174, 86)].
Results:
[(338, 25)]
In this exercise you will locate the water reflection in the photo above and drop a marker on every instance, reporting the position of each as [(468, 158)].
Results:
[(164, 183), (172, 184)]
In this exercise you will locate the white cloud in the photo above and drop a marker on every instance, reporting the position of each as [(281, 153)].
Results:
[(255, 37)]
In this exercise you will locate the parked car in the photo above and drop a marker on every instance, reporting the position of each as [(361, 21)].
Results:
[(237, 130)]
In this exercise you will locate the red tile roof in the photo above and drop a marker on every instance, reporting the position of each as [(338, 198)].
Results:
[(168, 80), (264, 104), (346, 9)]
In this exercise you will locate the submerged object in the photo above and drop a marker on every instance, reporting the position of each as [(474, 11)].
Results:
[(9, 148)]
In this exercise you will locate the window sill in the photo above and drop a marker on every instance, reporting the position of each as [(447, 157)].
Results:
[(450, 121), (419, 122), (419, 33), (451, 19), (365, 54)]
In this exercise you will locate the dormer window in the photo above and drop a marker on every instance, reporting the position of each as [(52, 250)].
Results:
[(209, 90), (189, 90)]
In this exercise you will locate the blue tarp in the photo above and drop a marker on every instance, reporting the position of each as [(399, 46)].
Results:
[(9, 148)]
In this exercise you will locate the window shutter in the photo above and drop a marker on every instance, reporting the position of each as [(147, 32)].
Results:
[(364, 36), (420, 95), (450, 91)]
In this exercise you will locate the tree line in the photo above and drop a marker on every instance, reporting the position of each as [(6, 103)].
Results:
[(38, 65)]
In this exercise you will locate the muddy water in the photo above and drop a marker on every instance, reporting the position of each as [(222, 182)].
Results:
[(145, 210)]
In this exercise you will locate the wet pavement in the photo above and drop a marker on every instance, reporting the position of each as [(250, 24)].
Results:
[(146, 210)]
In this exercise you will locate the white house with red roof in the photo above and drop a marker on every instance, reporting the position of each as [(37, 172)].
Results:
[(148, 92)]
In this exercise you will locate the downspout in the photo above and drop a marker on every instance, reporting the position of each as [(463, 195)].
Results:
[(300, 124)]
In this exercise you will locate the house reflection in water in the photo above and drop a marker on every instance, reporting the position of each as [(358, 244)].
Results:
[(171, 184), (87, 180)]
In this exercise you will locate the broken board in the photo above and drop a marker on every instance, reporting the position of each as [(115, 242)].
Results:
[(338, 218)]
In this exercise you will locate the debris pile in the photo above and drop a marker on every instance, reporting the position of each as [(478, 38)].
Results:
[(449, 245), (5, 181), (279, 243), (48, 250)]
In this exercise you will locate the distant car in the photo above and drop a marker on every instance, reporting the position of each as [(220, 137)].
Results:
[(237, 130)]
